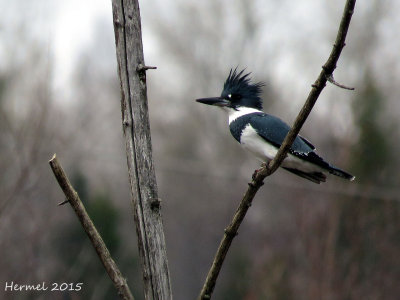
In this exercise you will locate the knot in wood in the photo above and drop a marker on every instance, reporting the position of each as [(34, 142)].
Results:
[(230, 232), (126, 123), (251, 184), (155, 204), (117, 22)]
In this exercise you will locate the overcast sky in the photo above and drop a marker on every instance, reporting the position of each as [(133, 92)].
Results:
[(69, 27)]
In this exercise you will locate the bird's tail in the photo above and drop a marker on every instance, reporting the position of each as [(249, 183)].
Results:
[(338, 172), (316, 177)]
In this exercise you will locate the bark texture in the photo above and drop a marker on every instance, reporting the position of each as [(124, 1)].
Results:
[(136, 128)]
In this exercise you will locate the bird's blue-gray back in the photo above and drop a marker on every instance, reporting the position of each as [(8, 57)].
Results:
[(270, 128)]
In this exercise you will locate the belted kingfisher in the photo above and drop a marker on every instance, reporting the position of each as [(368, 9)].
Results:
[(262, 134)]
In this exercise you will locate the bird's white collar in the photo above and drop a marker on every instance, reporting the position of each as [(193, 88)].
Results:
[(241, 111)]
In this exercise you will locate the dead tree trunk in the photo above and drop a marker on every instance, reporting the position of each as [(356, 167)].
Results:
[(136, 128)]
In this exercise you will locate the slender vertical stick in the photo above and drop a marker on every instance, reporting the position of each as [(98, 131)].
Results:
[(136, 128), (87, 224)]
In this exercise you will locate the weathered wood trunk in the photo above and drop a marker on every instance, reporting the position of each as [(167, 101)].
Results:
[(136, 128)]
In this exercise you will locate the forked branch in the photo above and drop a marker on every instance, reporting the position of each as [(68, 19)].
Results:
[(272, 166)]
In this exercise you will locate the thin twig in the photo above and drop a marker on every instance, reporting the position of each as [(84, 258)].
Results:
[(141, 68), (272, 166), (334, 82), (87, 224)]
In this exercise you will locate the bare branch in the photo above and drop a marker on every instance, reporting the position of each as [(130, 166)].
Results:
[(272, 166), (73, 198)]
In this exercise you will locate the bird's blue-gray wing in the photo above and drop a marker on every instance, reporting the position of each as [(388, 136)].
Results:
[(274, 131)]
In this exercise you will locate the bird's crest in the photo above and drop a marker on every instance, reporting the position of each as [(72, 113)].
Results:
[(239, 84)]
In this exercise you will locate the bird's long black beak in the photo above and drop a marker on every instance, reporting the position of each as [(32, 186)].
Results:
[(216, 101)]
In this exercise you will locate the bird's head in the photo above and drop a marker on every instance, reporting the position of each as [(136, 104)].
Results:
[(238, 92)]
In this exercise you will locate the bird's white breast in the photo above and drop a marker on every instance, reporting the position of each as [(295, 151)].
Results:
[(251, 141)]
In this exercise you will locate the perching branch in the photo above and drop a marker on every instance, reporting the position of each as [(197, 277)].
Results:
[(136, 128), (73, 198), (272, 166)]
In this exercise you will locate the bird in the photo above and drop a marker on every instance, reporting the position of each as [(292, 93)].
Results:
[(262, 134)]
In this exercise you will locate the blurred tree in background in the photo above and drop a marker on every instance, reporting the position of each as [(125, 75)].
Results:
[(368, 238), (373, 156)]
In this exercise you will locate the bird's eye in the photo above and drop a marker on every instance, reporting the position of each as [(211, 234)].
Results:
[(234, 97)]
